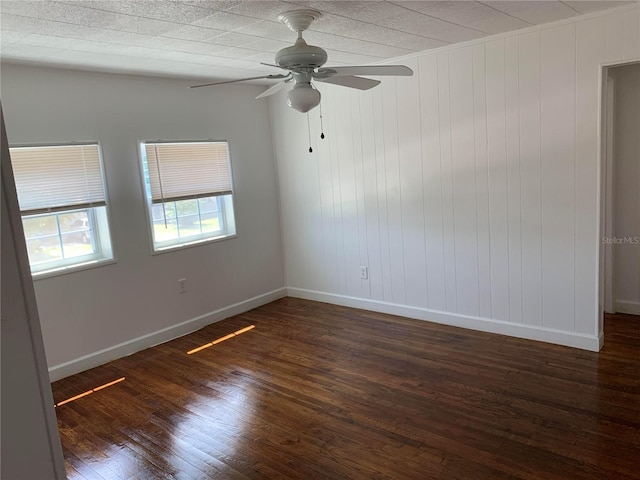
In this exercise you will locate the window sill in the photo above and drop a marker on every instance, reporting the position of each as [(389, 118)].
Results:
[(78, 267), (195, 243)]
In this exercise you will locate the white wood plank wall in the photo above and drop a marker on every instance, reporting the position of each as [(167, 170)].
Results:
[(468, 190)]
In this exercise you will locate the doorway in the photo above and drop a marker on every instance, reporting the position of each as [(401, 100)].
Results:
[(620, 191)]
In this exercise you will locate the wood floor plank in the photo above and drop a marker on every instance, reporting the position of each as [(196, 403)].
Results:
[(318, 391)]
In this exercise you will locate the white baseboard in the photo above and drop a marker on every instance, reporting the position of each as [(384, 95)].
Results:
[(570, 339), (549, 335), (628, 306), (161, 336)]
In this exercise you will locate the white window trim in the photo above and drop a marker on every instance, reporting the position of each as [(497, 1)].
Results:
[(191, 241), (107, 256), (191, 244), (78, 267), (70, 262)]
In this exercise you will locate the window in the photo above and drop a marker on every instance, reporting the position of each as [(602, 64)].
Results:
[(189, 192), (63, 204)]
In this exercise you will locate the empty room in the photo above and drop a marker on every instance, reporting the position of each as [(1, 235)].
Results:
[(320, 239)]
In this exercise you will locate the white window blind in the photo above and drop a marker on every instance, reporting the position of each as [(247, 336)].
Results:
[(54, 178), (181, 171)]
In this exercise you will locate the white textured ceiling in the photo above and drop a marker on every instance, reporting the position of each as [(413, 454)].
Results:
[(227, 39)]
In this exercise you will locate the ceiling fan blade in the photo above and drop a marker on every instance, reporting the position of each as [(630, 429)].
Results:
[(397, 70), (268, 77), (274, 89), (351, 81)]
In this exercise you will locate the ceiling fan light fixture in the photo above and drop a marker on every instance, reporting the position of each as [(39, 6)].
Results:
[(303, 97)]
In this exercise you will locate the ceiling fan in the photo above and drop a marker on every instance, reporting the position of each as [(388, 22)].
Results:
[(304, 64)]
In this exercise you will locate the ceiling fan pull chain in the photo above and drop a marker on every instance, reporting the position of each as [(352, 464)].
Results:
[(321, 127), (309, 132)]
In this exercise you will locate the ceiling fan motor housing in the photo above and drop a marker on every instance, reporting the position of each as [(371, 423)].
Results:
[(301, 55)]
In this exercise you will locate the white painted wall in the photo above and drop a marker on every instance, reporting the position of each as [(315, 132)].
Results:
[(627, 189), (30, 440), (86, 312), (470, 189)]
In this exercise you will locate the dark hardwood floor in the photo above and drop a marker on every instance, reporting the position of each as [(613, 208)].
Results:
[(320, 391)]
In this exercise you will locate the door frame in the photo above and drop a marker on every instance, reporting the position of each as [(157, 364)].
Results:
[(605, 298)]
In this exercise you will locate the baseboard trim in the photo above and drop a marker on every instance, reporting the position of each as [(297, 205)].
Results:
[(627, 306), (559, 337), (129, 347)]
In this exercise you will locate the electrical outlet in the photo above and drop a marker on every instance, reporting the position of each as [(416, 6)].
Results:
[(182, 285), (364, 272)]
